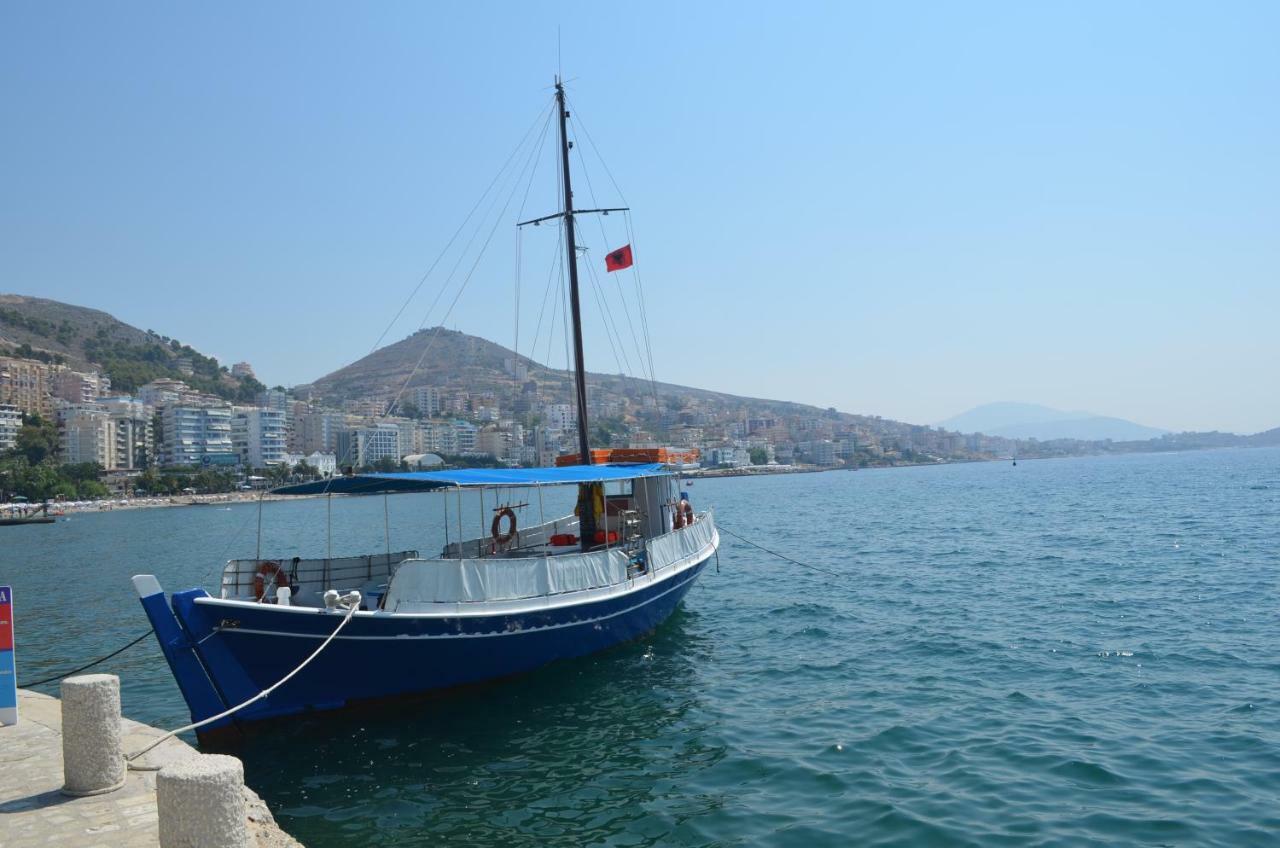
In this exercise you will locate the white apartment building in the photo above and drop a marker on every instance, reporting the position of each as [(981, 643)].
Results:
[(131, 422), (325, 463), (160, 392), (86, 434), (190, 433), (465, 435), (258, 435), (559, 416), (366, 445), (10, 423), (428, 399)]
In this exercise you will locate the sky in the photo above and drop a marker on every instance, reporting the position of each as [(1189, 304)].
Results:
[(903, 210)]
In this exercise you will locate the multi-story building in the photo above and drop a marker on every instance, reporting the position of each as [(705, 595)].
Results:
[(325, 463), (318, 431), (495, 442), (25, 383), (440, 437), (192, 433), (134, 440), (366, 445), (560, 416), (242, 369), (429, 400), (818, 452), (157, 393), (465, 434), (78, 387), (86, 434), (10, 423), (258, 435)]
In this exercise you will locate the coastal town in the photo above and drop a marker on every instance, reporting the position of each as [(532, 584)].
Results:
[(167, 424), (206, 428)]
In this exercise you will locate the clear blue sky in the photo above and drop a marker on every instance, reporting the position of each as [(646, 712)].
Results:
[(893, 209)]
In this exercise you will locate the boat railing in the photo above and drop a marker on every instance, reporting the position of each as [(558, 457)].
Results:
[(311, 575), (532, 537)]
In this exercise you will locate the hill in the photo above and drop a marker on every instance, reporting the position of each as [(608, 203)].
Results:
[(89, 339), (459, 359), (1033, 421)]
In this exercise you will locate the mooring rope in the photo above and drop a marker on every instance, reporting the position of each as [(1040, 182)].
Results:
[(817, 568), (355, 605), (28, 684)]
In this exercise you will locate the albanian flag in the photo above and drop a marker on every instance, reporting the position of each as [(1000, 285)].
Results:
[(618, 259)]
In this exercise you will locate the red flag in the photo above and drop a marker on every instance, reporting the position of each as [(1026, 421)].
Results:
[(618, 259)]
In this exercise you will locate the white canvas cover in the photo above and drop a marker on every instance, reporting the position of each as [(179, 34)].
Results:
[(498, 579), (677, 545)]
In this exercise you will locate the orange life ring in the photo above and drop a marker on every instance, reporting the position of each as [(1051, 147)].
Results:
[(495, 529), (272, 570)]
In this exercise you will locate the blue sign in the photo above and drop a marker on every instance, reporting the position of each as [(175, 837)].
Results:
[(8, 668)]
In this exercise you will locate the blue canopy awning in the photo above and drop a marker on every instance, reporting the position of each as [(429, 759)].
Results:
[(428, 481)]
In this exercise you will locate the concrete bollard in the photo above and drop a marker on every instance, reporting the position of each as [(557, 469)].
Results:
[(201, 803), (92, 758)]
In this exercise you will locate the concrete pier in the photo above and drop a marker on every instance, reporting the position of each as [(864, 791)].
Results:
[(35, 812)]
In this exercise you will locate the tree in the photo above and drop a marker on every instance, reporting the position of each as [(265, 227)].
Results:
[(305, 470), (759, 456), (37, 439)]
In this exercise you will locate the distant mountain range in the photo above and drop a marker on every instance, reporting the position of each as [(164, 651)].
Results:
[(1033, 421)]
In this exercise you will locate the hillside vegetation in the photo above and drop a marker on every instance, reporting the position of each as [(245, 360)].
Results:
[(82, 338)]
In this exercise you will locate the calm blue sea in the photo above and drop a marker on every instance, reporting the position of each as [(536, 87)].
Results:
[(1065, 652)]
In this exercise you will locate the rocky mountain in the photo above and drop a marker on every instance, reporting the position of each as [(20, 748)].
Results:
[(89, 339), (1033, 421)]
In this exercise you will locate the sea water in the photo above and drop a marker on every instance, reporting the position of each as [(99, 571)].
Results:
[(1065, 652)]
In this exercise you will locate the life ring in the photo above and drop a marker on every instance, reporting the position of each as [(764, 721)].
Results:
[(501, 539), (269, 570)]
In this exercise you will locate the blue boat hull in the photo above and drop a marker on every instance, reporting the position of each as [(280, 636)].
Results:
[(222, 654)]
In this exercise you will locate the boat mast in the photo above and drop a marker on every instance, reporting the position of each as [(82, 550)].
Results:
[(579, 368)]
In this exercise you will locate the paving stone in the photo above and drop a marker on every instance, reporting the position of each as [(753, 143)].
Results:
[(34, 811)]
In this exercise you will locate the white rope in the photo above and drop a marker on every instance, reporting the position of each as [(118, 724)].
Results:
[(353, 598)]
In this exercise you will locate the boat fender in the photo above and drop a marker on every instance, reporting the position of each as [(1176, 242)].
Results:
[(269, 572), (501, 539)]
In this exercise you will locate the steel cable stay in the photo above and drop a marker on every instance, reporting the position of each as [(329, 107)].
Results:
[(466, 280), (604, 237), (504, 170), (611, 329), (631, 239), (551, 273), (460, 228)]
